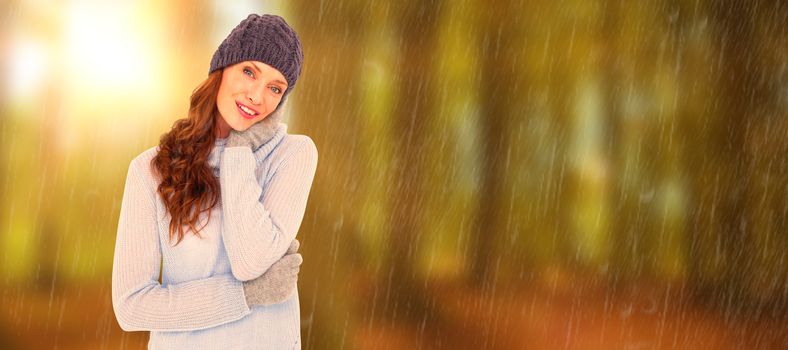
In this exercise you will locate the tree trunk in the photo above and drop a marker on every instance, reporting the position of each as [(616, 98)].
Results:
[(415, 85)]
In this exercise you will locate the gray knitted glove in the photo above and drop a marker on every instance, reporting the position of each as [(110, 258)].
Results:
[(257, 134), (278, 282)]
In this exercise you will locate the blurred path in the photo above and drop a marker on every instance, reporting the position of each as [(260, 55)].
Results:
[(553, 312), (559, 312)]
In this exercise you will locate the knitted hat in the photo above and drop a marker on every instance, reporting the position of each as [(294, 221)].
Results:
[(268, 39)]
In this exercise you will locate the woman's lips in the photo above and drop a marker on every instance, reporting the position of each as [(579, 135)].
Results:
[(244, 114)]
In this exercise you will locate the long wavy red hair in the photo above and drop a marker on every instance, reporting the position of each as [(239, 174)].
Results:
[(187, 185)]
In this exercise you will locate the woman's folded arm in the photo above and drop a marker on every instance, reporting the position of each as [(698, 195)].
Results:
[(139, 301), (257, 232)]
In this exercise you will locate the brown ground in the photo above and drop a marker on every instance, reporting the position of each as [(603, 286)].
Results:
[(554, 313), (559, 312)]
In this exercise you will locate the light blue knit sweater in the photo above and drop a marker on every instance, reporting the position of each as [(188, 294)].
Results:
[(200, 303)]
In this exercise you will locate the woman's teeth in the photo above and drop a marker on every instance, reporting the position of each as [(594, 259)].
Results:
[(247, 110)]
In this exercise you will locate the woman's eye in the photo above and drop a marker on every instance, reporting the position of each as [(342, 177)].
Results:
[(276, 90), (251, 74)]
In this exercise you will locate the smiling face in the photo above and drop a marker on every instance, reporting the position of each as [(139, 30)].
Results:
[(249, 92)]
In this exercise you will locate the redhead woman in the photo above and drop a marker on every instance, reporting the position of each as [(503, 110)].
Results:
[(206, 251)]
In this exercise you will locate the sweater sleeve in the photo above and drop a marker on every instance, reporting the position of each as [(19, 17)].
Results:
[(257, 232), (139, 301)]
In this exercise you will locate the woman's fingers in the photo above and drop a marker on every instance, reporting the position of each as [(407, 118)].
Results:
[(293, 246), (293, 259)]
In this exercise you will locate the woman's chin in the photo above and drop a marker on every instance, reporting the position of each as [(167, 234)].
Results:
[(241, 125)]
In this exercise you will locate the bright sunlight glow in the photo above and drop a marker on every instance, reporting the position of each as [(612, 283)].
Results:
[(27, 64), (102, 48)]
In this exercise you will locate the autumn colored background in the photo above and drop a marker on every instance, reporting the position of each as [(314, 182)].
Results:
[(492, 174)]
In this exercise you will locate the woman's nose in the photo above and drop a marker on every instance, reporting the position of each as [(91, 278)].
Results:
[(255, 94)]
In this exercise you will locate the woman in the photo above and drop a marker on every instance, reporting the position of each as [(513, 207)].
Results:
[(217, 206)]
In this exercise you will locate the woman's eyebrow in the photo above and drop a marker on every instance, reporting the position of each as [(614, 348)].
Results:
[(256, 68)]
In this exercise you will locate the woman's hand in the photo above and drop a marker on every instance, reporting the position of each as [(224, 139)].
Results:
[(278, 282), (256, 135)]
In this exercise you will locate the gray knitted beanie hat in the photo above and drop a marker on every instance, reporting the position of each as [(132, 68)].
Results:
[(268, 39)]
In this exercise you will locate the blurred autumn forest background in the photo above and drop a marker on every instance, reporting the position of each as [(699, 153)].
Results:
[(492, 174)]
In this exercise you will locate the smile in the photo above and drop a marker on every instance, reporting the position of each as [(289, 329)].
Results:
[(246, 112)]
